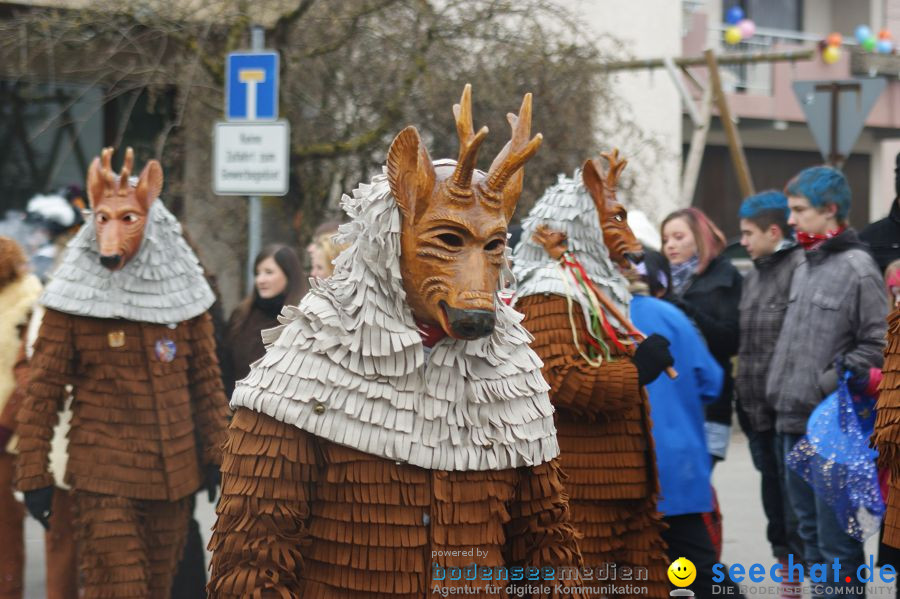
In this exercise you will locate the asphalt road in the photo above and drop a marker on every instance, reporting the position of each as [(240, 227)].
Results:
[(736, 481)]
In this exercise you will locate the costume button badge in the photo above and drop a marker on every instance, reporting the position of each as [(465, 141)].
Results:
[(488, 445), (165, 350), (319, 409), (116, 338), (426, 519)]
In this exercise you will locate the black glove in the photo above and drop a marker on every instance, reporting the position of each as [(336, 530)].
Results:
[(652, 357), (38, 503), (859, 375), (212, 478)]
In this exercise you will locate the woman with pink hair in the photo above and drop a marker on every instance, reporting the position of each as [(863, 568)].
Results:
[(707, 287)]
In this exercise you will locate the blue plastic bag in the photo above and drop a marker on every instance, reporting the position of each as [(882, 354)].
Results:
[(834, 457)]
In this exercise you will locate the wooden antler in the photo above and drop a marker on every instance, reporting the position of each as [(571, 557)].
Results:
[(469, 142), (616, 167), (109, 176), (505, 176), (127, 166)]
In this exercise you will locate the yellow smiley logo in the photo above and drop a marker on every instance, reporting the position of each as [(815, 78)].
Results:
[(682, 572)]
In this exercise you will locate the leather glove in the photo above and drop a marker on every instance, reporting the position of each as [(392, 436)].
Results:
[(38, 503), (652, 357), (212, 478)]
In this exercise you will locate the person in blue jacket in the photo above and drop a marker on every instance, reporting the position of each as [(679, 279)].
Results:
[(676, 408)]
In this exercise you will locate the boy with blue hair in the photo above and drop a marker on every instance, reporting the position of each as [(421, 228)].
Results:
[(769, 241), (836, 314)]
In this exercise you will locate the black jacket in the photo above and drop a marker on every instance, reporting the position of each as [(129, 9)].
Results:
[(883, 237), (712, 301)]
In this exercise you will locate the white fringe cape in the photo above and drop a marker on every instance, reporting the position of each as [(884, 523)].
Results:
[(348, 365), (162, 284), (567, 206)]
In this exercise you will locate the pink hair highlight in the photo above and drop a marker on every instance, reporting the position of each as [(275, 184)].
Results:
[(709, 238)]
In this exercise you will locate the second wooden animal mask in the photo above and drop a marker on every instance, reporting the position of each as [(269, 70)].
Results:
[(120, 210), (454, 221)]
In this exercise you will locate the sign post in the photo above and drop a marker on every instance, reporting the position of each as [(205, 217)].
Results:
[(252, 147)]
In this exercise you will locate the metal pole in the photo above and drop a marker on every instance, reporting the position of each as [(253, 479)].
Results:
[(254, 208)]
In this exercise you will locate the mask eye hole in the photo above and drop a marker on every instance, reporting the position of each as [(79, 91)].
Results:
[(619, 218), (493, 246), (451, 239), (102, 218)]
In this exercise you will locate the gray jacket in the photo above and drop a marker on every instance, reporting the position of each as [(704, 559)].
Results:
[(764, 301), (837, 307)]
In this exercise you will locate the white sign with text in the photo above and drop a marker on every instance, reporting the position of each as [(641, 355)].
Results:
[(251, 158)]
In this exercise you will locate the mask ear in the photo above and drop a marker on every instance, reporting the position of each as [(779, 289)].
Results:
[(149, 184), (590, 175), (95, 183), (410, 173)]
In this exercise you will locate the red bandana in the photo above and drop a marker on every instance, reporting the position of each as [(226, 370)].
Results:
[(431, 334), (811, 241)]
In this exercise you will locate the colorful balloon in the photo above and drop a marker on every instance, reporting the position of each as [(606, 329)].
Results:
[(869, 43), (831, 54), (733, 36), (884, 34), (834, 39), (885, 46), (747, 28), (862, 33), (734, 15)]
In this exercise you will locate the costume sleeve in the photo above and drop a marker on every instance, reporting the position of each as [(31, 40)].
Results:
[(575, 385), (268, 473), (539, 533), (886, 438), (210, 404), (52, 368), (14, 403)]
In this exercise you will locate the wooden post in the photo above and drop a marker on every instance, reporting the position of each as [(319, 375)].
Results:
[(695, 153), (738, 159)]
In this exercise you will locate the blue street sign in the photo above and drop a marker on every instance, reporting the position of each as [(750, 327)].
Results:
[(251, 86)]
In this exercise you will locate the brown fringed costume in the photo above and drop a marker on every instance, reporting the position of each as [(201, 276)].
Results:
[(886, 438), (398, 428), (603, 419), (127, 327)]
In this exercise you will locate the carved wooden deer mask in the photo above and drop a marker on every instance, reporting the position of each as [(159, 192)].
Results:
[(120, 211), (454, 221), (623, 246)]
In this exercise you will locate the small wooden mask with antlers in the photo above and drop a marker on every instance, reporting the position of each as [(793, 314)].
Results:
[(624, 248), (120, 210), (454, 221)]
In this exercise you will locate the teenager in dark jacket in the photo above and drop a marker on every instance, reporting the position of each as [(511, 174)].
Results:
[(836, 314), (769, 240), (883, 236), (279, 282), (707, 287)]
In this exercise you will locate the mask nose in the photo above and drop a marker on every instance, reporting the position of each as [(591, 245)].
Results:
[(111, 262), (470, 324), (634, 257)]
